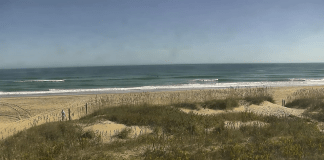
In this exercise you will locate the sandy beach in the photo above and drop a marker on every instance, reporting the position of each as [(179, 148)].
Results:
[(18, 113)]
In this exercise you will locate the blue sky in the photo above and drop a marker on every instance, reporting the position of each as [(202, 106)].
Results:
[(59, 33)]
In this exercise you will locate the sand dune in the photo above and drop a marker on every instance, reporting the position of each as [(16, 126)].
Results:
[(108, 129), (18, 113), (266, 108)]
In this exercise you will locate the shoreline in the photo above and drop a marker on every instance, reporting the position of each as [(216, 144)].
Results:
[(184, 87)]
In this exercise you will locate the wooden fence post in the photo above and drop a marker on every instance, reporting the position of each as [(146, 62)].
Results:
[(86, 108), (283, 103), (69, 114)]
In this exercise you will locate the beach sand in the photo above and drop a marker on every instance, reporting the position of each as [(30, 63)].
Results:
[(19, 113)]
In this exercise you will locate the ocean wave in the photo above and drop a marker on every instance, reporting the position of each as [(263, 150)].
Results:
[(305, 79), (297, 79), (316, 80), (205, 80), (172, 87), (59, 80), (194, 76)]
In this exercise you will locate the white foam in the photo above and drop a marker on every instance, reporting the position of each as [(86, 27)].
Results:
[(309, 80), (175, 87), (45, 80), (205, 80), (297, 79), (316, 80)]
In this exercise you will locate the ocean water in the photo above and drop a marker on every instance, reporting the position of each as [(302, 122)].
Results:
[(118, 79)]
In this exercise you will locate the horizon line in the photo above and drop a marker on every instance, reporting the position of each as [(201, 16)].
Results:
[(157, 65)]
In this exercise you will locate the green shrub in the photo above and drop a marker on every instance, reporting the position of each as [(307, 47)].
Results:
[(186, 105), (47, 141), (88, 135), (319, 116), (258, 99), (307, 103), (219, 128), (172, 154), (221, 104), (311, 99), (123, 134)]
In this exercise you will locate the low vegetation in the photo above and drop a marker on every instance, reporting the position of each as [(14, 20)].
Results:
[(252, 96), (48, 141), (221, 104), (124, 133), (176, 135), (310, 99)]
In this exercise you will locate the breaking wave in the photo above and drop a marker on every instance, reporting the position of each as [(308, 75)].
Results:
[(308, 82), (59, 80)]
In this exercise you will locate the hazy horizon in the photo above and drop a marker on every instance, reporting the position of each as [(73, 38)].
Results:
[(159, 64), (43, 34)]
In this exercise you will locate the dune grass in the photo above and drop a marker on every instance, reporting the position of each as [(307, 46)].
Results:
[(176, 135), (49, 141), (191, 136), (307, 99), (250, 96), (185, 136), (221, 104), (310, 99)]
